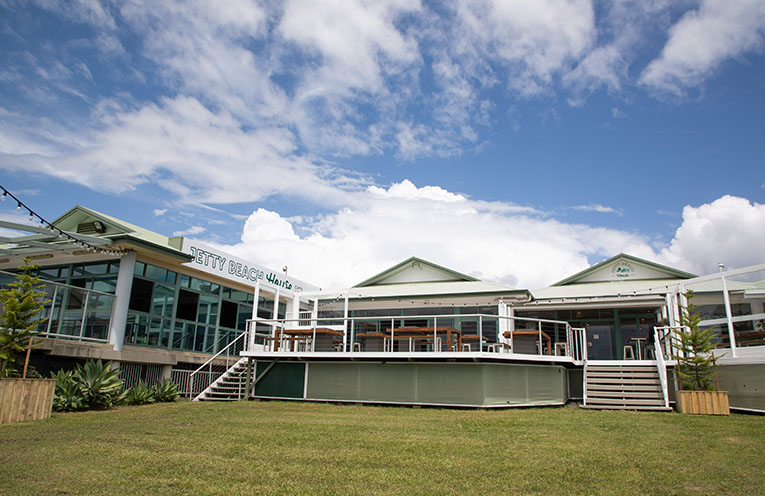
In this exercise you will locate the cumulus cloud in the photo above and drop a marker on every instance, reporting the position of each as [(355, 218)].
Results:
[(730, 230), (191, 231), (703, 39), (200, 155), (492, 240)]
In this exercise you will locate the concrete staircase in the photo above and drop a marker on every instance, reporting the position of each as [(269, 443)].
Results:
[(228, 387), (623, 386)]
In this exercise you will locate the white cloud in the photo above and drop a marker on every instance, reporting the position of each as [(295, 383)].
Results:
[(730, 230), (596, 207), (158, 212), (191, 231), (195, 153), (536, 39), (380, 227), (702, 39)]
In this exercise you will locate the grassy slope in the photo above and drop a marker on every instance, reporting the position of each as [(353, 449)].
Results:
[(300, 448)]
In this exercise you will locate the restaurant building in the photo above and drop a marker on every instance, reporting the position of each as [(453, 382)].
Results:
[(417, 333)]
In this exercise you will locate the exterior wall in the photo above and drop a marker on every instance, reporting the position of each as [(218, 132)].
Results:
[(449, 384), (745, 385)]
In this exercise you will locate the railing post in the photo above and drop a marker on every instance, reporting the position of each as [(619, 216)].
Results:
[(480, 333), (85, 314), (539, 325), (52, 308)]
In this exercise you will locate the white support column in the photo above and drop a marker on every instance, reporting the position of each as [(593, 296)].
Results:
[(275, 313), (253, 328), (669, 309), (728, 316), (121, 300), (315, 313), (296, 307), (345, 323)]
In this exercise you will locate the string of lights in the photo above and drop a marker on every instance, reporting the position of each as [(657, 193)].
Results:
[(33, 216)]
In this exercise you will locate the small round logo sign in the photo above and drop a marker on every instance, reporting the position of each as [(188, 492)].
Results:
[(622, 270)]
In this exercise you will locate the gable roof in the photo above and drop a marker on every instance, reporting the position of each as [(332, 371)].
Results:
[(117, 230), (657, 271), (404, 273)]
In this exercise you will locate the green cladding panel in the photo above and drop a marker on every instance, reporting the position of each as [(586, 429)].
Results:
[(284, 380), (468, 384), (745, 385)]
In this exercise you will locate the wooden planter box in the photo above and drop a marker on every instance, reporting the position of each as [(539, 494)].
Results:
[(25, 399), (703, 402)]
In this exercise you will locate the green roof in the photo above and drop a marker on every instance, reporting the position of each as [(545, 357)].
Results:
[(374, 280), (669, 271)]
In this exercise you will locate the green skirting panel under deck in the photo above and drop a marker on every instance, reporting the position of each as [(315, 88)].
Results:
[(284, 380), (458, 384)]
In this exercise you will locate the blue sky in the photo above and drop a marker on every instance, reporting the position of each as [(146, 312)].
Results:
[(516, 141)]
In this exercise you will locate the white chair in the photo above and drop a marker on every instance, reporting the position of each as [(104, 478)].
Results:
[(466, 347), (356, 346), (629, 352), (561, 349)]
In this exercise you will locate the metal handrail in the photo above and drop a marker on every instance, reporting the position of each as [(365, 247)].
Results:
[(661, 364), (336, 320), (209, 362)]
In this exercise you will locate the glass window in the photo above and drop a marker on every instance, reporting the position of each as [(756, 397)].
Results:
[(139, 268), (185, 281), (156, 273), (162, 301), (187, 305), (208, 309), (228, 314), (140, 295)]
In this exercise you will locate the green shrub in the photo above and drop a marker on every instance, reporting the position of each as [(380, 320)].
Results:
[(93, 385), (165, 391), (140, 394), (67, 396)]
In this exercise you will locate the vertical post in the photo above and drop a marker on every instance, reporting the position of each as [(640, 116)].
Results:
[(84, 312), (254, 326), (345, 322), (728, 313), (52, 308), (511, 327), (275, 316), (435, 332), (248, 384), (480, 333), (539, 325), (121, 300)]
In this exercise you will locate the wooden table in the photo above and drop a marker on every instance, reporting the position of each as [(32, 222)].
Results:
[(301, 334), (423, 332), (545, 337)]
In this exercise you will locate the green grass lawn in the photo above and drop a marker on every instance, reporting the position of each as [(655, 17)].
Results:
[(304, 448)]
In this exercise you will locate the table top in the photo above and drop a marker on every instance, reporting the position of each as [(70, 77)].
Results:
[(528, 333), (309, 332), (423, 330)]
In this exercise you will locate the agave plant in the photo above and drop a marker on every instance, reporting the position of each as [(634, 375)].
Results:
[(100, 385), (165, 390), (67, 396), (140, 394)]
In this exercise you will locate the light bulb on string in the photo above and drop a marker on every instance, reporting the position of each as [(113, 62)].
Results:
[(31, 217), (5, 195), (18, 207)]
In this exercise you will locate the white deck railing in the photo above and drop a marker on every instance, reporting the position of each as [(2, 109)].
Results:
[(395, 334)]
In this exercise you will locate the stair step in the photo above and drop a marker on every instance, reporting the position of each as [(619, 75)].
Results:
[(623, 394), (661, 408), (628, 401), (622, 381), (624, 368), (624, 387), (646, 373)]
